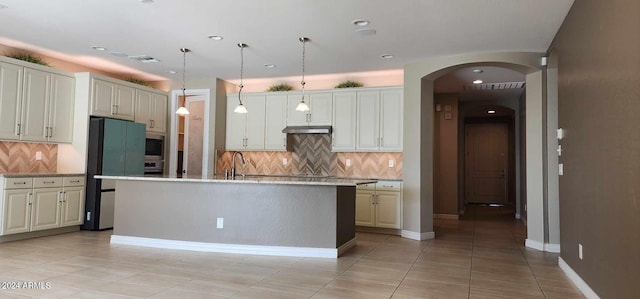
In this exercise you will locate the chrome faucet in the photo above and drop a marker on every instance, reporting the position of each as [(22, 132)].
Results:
[(233, 167)]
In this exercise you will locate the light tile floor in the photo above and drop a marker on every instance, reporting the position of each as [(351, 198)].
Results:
[(479, 256)]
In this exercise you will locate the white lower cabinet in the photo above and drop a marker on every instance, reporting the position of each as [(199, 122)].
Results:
[(379, 205), (34, 204)]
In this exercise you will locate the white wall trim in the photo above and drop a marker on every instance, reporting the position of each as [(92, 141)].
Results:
[(232, 248), (577, 280), (172, 151), (418, 236), (550, 247), (534, 244), (446, 216)]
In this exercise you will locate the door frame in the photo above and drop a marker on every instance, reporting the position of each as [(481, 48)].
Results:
[(186, 136), (172, 148)]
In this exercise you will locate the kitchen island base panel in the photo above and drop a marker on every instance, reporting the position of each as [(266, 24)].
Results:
[(40, 233), (234, 248), (319, 217)]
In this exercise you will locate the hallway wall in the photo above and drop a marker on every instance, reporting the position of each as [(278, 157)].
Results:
[(598, 102)]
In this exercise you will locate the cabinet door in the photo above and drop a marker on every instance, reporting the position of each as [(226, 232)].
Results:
[(255, 122), (321, 104), (295, 117), (61, 107), (159, 113), (388, 209), (236, 126), (17, 212), (368, 133), (143, 108), (344, 122), (10, 100), (73, 206), (45, 213), (364, 208), (125, 102), (391, 120), (102, 98), (35, 109), (275, 121)]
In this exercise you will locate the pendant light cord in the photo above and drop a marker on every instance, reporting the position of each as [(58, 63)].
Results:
[(304, 41), (241, 70), (184, 73)]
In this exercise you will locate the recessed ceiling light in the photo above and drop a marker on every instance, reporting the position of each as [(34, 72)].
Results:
[(366, 31), (98, 48), (270, 65), (215, 37), (478, 71), (491, 111), (118, 54), (386, 56), (146, 1), (478, 81), (360, 22)]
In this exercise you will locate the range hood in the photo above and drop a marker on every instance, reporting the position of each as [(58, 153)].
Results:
[(307, 130)]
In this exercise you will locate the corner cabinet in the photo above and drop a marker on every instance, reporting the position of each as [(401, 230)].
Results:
[(40, 203), (36, 103), (379, 205)]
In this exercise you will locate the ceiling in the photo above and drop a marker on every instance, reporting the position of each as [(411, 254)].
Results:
[(497, 83), (410, 30)]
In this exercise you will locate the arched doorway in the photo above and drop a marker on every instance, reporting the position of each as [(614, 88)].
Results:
[(418, 153)]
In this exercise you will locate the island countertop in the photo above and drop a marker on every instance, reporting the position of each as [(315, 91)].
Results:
[(249, 179)]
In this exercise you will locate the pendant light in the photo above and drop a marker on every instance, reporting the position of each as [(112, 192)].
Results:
[(303, 107), (183, 110), (241, 108)]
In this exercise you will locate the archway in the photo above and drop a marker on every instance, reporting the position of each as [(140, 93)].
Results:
[(418, 152)]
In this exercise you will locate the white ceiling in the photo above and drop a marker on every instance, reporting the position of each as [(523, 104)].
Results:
[(410, 30)]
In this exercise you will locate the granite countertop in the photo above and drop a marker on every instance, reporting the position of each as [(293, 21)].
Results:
[(251, 179), (23, 175)]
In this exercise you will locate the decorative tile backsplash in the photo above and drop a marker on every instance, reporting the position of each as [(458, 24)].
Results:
[(311, 155), (20, 157)]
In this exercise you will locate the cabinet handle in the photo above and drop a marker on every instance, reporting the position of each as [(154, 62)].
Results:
[(18, 129), (117, 109), (30, 198), (19, 183), (50, 182), (75, 181)]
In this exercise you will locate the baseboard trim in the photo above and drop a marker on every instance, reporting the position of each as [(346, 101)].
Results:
[(418, 236), (550, 247), (534, 244), (346, 246), (446, 216), (40, 233), (233, 248), (577, 280)]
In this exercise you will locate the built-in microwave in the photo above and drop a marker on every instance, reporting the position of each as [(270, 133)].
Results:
[(154, 148)]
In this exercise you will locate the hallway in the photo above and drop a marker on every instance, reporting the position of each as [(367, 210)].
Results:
[(480, 256)]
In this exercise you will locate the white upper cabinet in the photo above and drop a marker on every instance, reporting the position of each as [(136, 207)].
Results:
[(113, 100), (379, 120), (320, 113), (344, 122), (125, 102), (151, 109), (275, 121), (35, 104), (246, 131)]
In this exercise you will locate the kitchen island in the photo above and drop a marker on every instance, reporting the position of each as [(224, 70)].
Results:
[(290, 216)]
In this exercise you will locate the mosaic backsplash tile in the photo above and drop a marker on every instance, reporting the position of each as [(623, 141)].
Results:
[(19, 157), (311, 155)]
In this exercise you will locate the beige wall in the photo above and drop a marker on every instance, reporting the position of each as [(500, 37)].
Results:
[(445, 155), (598, 51)]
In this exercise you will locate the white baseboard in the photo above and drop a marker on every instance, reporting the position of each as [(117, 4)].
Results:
[(418, 236), (446, 216), (233, 248), (346, 246), (577, 280), (550, 247)]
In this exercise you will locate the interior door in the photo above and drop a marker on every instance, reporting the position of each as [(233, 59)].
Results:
[(193, 137), (486, 163)]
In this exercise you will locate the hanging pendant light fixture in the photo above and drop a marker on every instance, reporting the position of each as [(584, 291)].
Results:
[(183, 110), (302, 106), (241, 108)]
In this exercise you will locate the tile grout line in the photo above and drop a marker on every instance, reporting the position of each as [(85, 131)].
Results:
[(522, 251), (336, 277), (412, 265)]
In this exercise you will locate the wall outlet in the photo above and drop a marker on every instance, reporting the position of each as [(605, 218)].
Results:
[(347, 162), (38, 155), (220, 222), (580, 251), (392, 163), (285, 161)]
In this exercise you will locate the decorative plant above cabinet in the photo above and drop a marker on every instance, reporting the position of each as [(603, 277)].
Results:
[(28, 57), (349, 84), (280, 87)]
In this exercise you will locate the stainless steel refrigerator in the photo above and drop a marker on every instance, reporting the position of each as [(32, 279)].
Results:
[(116, 147)]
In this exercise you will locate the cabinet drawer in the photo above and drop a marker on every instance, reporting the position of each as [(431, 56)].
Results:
[(45, 182), (371, 186), (18, 183), (389, 185), (73, 181)]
